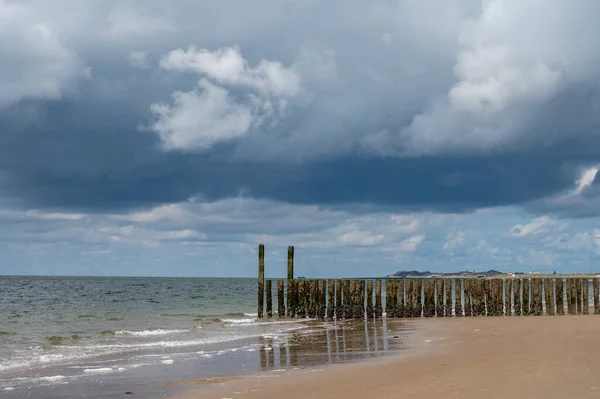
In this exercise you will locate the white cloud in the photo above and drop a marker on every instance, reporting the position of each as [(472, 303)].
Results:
[(411, 244), (536, 226), (35, 63), (201, 118), (228, 66), (360, 238), (208, 115), (502, 74)]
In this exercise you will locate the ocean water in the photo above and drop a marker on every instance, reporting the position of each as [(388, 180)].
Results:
[(57, 329), (66, 337)]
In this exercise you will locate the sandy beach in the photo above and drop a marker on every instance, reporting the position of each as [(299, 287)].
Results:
[(505, 357)]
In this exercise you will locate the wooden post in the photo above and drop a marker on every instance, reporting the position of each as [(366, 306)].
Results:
[(363, 294), (495, 303), (311, 295), (536, 297), (390, 298), (269, 289), (413, 298), (572, 295), (338, 299), (428, 297), (300, 287), (458, 291), (400, 303), (549, 296), (560, 296), (280, 299), (596, 294), (378, 304), (478, 288), (321, 313), (330, 299), (585, 282), (370, 308), (346, 305), (517, 303), (448, 297), (579, 296), (526, 297), (261, 279), (439, 297), (290, 263), (468, 295)]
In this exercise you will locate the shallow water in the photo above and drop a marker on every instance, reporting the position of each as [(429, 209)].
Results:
[(99, 337)]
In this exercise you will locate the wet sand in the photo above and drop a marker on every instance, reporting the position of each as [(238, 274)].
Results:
[(506, 357)]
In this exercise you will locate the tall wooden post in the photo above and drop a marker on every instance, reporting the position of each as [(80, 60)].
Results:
[(290, 263), (261, 279)]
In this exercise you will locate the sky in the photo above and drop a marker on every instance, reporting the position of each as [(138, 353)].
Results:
[(153, 138)]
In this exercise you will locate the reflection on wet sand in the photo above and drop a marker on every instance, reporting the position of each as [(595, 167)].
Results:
[(333, 342)]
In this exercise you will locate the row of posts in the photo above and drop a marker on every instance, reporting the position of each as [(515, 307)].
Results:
[(429, 297)]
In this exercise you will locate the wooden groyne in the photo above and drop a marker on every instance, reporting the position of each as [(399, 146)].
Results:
[(424, 297)]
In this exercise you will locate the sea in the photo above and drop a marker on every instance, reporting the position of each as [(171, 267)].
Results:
[(105, 337)]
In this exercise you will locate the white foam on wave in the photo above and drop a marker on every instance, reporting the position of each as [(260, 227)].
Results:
[(239, 321), (102, 370), (9, 389), (167, 361), (149, 333), (53, 378)]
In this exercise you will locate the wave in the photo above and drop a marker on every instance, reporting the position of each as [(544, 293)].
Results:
[(149, 333)]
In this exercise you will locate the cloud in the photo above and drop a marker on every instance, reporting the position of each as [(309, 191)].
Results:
[(227, 66), (536, 226), (209, 115), (35, 63), (201, 118), (411, 244)]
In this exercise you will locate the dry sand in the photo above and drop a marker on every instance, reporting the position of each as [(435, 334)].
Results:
[(505, 357)]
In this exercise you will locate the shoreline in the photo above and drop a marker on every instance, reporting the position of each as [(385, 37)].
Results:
[(524, 357)]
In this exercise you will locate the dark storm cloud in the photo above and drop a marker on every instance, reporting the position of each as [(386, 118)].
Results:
[(400, 108)]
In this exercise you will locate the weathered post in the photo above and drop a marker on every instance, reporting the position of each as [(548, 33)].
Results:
[(596, 293), (300, 287), (378, 301), (347, 301), (495, 302), (439, 297), (338, 299), (560, 296), (280, 299), (468, 294), (292, 288), (536, 297), (390, 298), (458, 307), (321, 310), (269, 289), (572, 295), (579, 288), (448, 297), (517, 303), (290, 263), (330, 299), (585, 282), (526, 296), (428, 297), (261, 279), (400, 303), (549, 296), (370, 308)]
